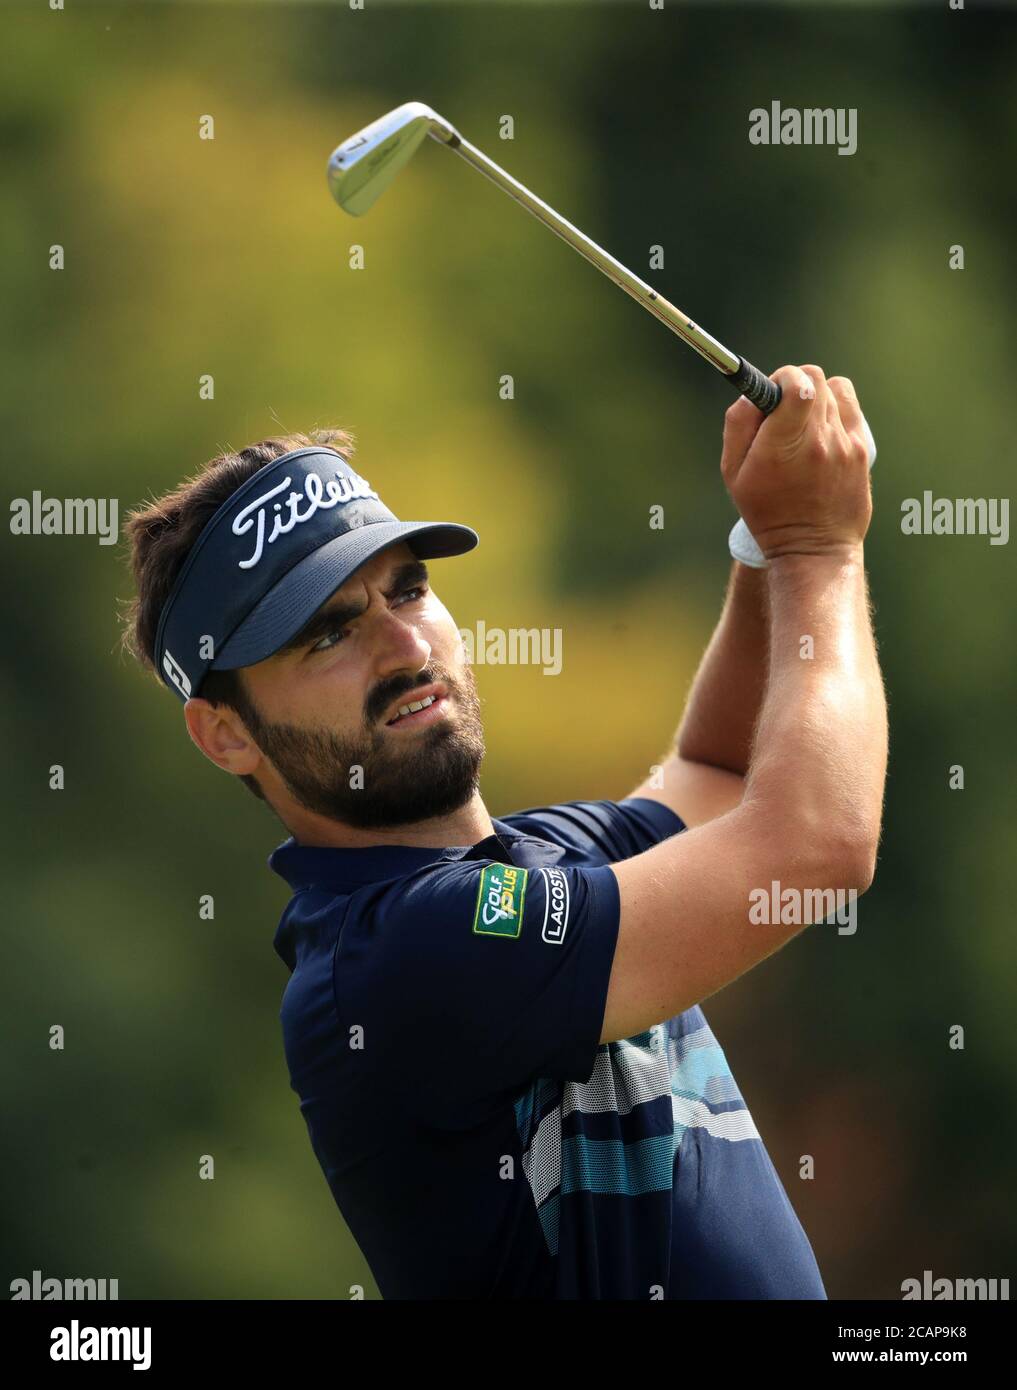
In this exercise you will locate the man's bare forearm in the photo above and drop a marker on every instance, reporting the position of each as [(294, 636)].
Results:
[(727, 692), (821, 744), (808, 819)]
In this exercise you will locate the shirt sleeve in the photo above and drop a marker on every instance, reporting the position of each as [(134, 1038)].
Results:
[(479, 977), (608, 830)]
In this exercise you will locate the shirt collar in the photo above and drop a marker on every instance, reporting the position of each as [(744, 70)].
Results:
[(313, 866)]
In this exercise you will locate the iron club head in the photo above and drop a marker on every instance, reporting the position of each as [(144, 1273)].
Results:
[(363, 166)]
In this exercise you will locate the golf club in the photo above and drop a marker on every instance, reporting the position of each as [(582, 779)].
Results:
[(361, 168)]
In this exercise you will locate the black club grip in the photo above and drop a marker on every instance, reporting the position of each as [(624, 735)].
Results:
[(761, 391)]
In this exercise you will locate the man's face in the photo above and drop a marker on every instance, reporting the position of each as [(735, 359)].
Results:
[(324, 711)]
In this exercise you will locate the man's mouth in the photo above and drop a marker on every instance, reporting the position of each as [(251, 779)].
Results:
[(418, 712)]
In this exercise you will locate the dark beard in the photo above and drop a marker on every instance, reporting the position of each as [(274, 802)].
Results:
[(431, 776)]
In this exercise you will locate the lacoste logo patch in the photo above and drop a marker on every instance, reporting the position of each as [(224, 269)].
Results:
[(500, 901), (556, 906)]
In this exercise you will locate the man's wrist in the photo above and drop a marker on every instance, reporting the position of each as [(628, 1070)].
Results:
[(798, 572), (833, 556)]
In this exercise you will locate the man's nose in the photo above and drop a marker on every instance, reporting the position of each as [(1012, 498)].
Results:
[(399, 645)]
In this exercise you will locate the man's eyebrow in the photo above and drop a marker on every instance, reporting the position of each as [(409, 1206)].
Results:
[(327, 619)]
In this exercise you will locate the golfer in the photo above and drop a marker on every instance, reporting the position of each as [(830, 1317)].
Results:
[(494, 1025)]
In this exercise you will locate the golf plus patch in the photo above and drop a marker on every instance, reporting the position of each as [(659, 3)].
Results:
[(500, 901)]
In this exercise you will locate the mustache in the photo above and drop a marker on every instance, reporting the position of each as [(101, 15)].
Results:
[(382, 697)]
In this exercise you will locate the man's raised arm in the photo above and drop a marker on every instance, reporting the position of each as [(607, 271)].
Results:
[(812, 803)]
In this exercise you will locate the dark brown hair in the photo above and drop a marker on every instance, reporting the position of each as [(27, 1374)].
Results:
[(161, 533)]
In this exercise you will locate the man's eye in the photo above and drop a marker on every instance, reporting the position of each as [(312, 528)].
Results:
[(333, 638), (326, 642)]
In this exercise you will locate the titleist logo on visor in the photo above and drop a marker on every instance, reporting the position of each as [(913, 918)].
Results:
[(318, 493)]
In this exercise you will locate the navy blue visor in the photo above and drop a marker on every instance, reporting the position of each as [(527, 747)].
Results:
[(271, 555)]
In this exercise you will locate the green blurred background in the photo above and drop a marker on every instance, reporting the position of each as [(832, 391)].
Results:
[(186, 257)]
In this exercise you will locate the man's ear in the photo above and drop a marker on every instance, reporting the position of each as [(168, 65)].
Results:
[(221, 735)]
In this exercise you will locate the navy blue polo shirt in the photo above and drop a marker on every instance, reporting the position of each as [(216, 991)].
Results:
[(442, 1026)]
